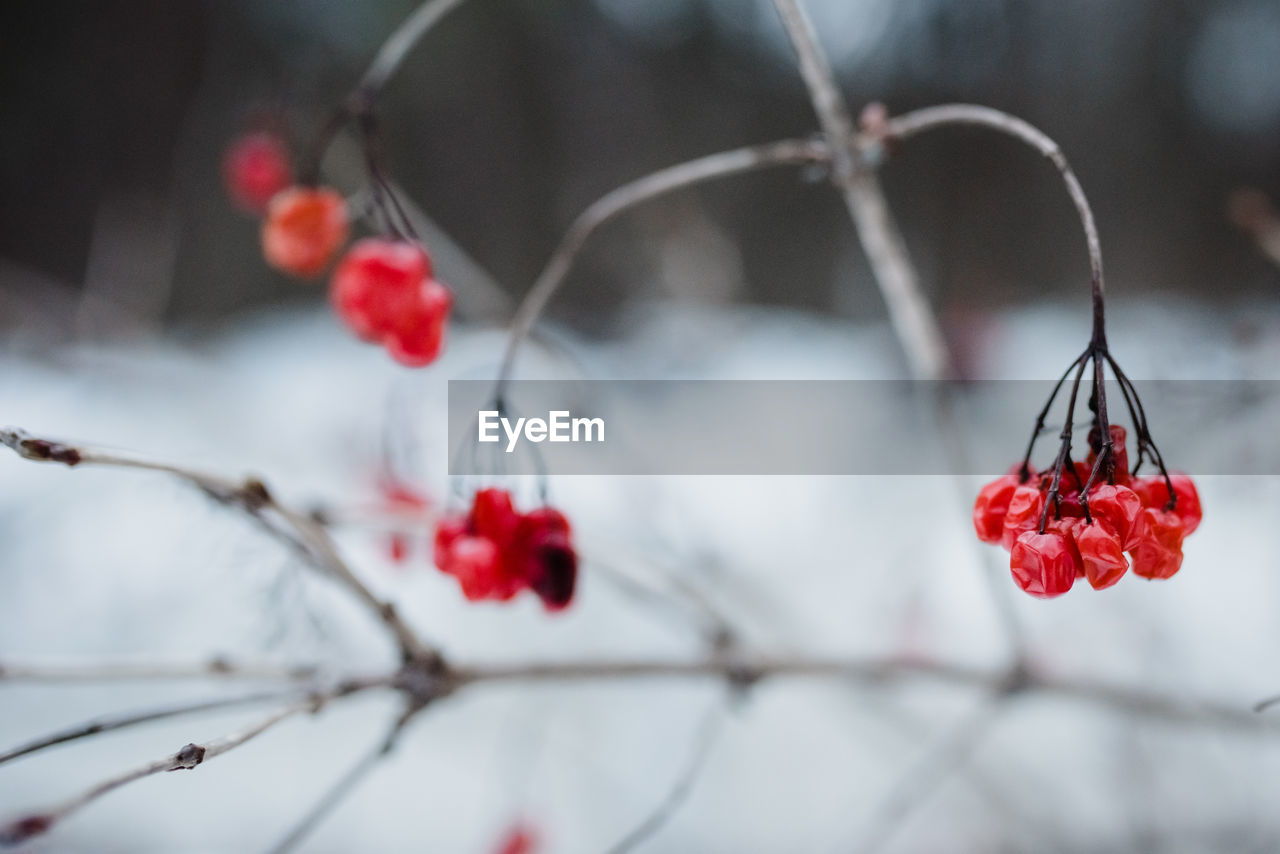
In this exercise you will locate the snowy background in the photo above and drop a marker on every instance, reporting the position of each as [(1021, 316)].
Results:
[(114, 563)]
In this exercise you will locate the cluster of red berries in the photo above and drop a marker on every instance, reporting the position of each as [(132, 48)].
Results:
[(495, 551), (383, 288), (1137, 515)]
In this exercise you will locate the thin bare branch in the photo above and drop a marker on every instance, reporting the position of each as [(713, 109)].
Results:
[(97, 726), (712, 167), (747, 670), (342, 788), (216, 668), (704, 739), (296, 530), (947, 115), (922, 778), (397, 47), (185, 759), (909, 312)]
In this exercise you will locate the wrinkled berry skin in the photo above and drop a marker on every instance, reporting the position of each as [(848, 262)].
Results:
[(1101, 554), (1131, 515), (1158, 553), (255, 168), (1043, 564), (304, 229), (991, 506)]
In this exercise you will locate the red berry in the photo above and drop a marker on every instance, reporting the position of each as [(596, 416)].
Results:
[(1100, 552), (1118, 509), (417, 335), (1155, 493), (1042, 564), (493, 515), (476, 563), (255, 168), (547, 560), (304, 228), (1023, 514), (991, 506), (375, 282), (1158, 553), (448, 530), (520, 839)]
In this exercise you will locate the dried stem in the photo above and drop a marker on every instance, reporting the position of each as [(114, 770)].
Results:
[(704, 739), (397, 47), (341, 789), (909, 312), (296, 530), (712, 167), (97, 726), (185, 759), (909, 124), (942, 759), (216, 668)]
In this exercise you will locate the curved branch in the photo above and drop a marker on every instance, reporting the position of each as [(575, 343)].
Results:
[(298, 531), (185, 759), (910, 124), (725, 164), (399, 44)]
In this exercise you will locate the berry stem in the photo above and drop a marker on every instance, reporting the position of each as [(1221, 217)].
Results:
[(909, 124), (1054, 497)]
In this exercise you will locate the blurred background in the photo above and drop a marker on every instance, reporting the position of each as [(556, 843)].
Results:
[(518, 114), (136, 313)]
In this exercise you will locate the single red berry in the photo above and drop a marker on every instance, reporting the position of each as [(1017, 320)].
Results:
[(477, 565), (991, 506), (546, 558), (519, 839), (1118, 509), (1042, 564), (1155, 493), (1158, 553), (493, 515), (377, 281), (1100, 552), (416, 336), (1023, 514), (255, 168), (303, 229), (448, 530)]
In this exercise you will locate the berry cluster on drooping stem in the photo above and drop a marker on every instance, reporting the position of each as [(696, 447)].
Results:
[(383, 289)]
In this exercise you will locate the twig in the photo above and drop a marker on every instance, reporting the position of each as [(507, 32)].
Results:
[(712, 167), (748, 670), (187, 758), (97, 726), (402, 41), (682, 786), (949, 753), (881, 239), (296, 530), (216, 668), (341, 788), (909, 124)]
